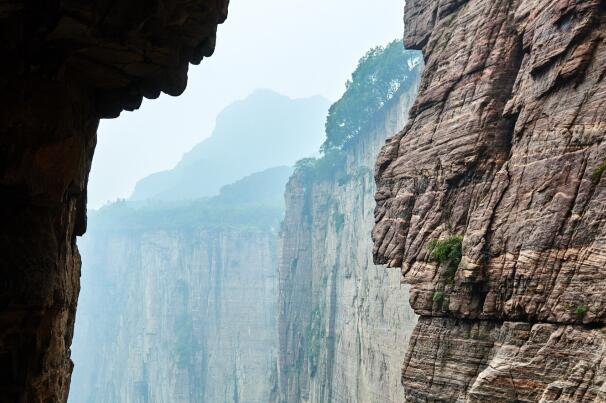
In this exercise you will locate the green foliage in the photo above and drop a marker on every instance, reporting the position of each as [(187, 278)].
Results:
[(441, 299), (437, 296), (382, 74), (305, 164), (448, 252), (581, 310), (596, 175), (331, 164)]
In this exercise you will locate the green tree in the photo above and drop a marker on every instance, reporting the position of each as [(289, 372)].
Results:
[(382, 73)]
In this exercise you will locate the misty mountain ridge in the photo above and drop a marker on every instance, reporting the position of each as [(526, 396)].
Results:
[(248, 137), (240, 204)]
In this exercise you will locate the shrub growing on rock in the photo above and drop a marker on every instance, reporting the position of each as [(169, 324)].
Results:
[(447, 252)]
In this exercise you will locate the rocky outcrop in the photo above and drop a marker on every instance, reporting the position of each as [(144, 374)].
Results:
[(343, 322), (505, 147), (66, 65)]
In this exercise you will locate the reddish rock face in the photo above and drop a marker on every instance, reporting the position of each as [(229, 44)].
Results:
[(65, 65), (505, 147)]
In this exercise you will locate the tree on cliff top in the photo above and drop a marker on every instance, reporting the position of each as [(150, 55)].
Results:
[(382, 73)]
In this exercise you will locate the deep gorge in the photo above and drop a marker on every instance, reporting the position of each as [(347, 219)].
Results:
[(248, 296), (449, 248)]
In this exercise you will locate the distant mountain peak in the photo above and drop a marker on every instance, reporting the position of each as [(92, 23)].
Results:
[(266, 129)]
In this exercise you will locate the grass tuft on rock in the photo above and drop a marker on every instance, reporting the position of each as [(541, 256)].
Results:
[(437, 296), (447, 252), (597, 173), (581, 310)]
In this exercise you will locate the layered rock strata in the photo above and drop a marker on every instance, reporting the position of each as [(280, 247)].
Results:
[(66, 65), (504, 146), (343, 322)]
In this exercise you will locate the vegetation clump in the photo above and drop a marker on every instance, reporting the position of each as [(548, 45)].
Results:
[(447, 252), (382, 74), (380, 77), (581, 310), (437, 296), (597, 173), (325, 167)]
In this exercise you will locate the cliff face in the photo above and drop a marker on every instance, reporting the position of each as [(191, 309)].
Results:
[(504, 146), (179, 301), (176, 316), (343, 322), (66, 65)]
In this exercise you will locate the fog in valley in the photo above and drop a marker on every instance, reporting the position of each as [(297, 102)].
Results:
[(296, 48), (319, 201)]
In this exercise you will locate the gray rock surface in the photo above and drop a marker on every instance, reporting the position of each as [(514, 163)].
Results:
[(179, 300)]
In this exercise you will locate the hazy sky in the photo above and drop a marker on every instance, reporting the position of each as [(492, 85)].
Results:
[(299, 48)]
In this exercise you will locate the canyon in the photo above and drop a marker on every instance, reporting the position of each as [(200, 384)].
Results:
[(181, 309), (178, 300), (250, 295), (489, 203), (503, 154)]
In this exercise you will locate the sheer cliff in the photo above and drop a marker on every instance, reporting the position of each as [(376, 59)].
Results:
[(503, 157), (180, 303), (65, 65), (343, 322)]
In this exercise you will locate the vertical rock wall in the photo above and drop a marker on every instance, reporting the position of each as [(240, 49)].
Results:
[(344, 323), (65, 65), (505, 147), (177, 316), (46, 146)]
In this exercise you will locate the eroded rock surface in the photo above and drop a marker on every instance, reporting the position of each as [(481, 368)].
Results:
[(64, 66), (505, 147)]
